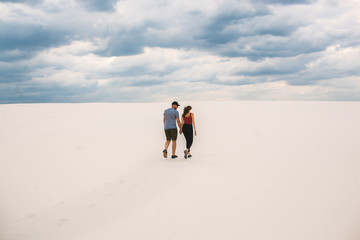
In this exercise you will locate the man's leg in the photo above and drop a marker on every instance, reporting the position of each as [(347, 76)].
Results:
[(167, 143), (173, 147)]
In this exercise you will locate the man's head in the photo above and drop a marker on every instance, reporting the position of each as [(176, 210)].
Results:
[(175, 105)]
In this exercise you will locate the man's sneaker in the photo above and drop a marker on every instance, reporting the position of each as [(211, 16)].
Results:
[(165, 153), (189, 156), (173, 156), (185, 154)]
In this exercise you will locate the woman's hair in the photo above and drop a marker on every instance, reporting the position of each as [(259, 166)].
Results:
[(186, 110)]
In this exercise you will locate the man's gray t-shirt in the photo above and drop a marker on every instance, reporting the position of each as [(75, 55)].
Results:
[(170, 118)]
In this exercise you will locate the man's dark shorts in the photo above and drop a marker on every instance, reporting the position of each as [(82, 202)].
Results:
[(171, 134)]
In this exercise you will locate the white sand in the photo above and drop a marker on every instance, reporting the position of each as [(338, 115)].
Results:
[(261, 170)]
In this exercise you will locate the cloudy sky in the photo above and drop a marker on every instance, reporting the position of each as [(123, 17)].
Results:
[(145, 51)]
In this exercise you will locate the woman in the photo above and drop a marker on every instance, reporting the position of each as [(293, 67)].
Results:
[(187, 124)]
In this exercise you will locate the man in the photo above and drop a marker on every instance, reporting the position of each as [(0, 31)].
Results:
[(171, 117)]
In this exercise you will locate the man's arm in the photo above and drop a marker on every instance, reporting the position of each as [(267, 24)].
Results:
[(182, 124), (178, 122), (164, 120)]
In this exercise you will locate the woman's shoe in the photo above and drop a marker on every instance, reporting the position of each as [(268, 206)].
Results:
[(185, 154), (173, 156), (189, 156)]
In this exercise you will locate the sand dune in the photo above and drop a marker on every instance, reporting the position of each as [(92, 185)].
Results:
[(261, 170)]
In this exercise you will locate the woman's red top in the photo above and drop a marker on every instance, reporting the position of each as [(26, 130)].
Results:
[(188, 120)]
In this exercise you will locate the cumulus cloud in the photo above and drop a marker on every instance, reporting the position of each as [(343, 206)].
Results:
[(79, 51), (96, 5)]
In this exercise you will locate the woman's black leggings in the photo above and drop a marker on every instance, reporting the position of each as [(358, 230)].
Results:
[(188, 133)]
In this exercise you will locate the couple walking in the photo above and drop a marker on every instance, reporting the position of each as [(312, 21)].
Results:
[(171, 118)]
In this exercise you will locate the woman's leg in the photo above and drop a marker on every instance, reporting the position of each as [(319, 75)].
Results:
[(190, 142), (188, 133)]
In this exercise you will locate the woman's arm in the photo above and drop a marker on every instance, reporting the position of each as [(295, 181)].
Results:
[(193, 122)]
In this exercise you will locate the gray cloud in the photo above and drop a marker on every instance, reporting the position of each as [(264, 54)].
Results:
[(28, 92), (125, 42), (259, 47), (229, 32), (285, 1), (219, 28), (28, 39), (11, 74), (15, 55), (29, 2), (99, 5), (88, 51), (272, 70)]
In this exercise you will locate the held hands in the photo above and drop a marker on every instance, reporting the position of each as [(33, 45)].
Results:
[(180, 131)]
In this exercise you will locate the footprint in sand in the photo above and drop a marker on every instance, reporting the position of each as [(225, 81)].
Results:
[(30, 216), (62, 222)]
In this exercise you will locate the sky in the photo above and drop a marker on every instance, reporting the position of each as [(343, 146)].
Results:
[(164, 50)]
